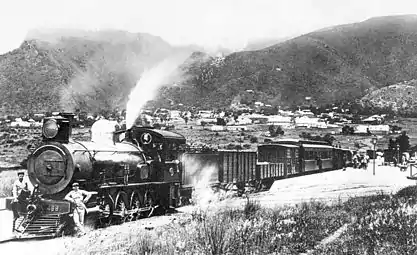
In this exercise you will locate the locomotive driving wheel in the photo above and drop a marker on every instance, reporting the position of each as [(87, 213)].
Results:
[(121, 207), (135, 205), (149, 202), (106, 212)]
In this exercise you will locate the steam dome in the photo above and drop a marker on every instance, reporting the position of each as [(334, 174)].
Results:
[(102, 131)]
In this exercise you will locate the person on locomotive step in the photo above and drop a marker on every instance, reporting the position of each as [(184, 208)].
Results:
[(76, 196), (21, 191)]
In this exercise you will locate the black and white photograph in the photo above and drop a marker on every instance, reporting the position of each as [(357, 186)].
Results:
[(208, 127)]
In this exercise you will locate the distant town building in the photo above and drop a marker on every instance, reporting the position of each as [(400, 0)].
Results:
[(373, 129)]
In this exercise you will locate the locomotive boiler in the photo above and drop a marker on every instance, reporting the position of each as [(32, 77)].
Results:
[(130, 173)]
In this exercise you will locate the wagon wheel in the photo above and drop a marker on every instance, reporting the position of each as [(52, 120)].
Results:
[(106, 212), (149, 202), (121, 207), (135, 204)]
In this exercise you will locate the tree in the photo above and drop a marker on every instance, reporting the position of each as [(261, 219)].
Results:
[(275, 132), (279, 131), (329, 138), (347, 130), (403, 141), (392, 145), (272, 132)]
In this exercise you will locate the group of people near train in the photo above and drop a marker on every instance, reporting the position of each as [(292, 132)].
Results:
[(360, 160)]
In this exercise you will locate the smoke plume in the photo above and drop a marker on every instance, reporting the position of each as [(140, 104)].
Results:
[(106, 78), (201, 174), (151, 80)]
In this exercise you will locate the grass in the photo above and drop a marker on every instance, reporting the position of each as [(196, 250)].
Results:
[(378, 224), (248, 230), (383, 225)]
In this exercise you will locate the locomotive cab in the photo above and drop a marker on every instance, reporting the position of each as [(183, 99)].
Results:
[(162, 148)]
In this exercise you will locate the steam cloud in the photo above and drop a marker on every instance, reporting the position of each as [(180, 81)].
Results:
[(151, 80), (201, 175), (105, 83)]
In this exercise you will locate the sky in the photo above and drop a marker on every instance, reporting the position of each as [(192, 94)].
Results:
[(208, 23)]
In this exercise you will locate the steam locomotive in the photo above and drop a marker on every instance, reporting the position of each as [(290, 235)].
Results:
[(130, 173), (133, 172)]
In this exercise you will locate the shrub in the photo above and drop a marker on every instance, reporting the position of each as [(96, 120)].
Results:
[(275, 132)]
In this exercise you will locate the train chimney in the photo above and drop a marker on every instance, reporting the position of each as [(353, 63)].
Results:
[(68, 115)]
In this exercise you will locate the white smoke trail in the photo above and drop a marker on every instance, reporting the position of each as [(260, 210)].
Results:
[(149, 83), (203, 194), (201, 175)]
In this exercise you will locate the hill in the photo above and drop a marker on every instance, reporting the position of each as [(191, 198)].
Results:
[(333, 64), (95, 71), (92, 70), (398, 99)]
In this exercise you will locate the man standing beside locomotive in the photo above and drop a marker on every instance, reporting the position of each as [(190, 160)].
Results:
[(76, 197)]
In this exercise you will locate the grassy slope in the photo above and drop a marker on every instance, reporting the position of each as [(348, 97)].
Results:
[(381, 223), (397, 98)]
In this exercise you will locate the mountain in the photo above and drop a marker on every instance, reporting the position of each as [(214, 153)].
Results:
[(76, 69), (96, 70), (260, 44), (339, 63)]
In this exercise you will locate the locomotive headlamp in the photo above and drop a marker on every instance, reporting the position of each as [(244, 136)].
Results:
[(50, 129)]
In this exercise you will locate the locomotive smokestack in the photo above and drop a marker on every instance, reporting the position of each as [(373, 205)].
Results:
[(68, 115)]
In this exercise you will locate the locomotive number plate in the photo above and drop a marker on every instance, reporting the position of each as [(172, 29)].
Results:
[(52, 208), (57, 207)]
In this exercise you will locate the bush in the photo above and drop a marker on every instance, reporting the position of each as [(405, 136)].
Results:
[(275, 132), (347, 130), (253, 139)]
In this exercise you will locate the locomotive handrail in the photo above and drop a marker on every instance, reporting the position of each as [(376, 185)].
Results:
[(136, 146), (82, 145)]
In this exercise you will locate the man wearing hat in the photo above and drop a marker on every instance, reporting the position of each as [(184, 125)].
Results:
[(78, 198), (20, 192)]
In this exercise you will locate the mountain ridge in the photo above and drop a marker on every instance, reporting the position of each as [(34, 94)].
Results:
[(340, 63)]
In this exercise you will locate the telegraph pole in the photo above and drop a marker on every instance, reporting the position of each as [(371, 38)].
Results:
[(374, 140)]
